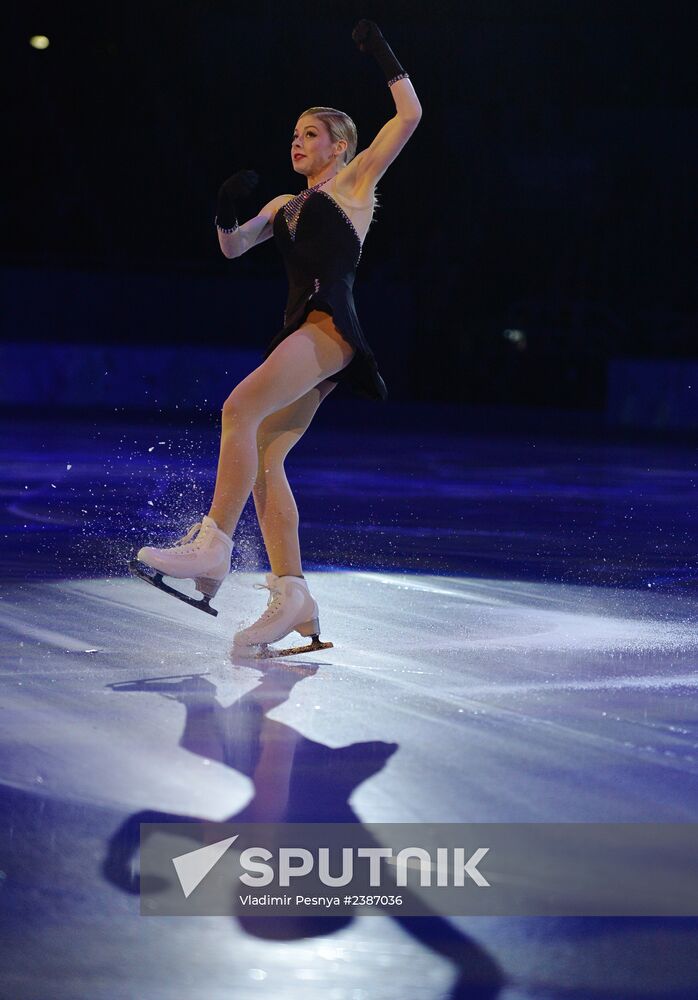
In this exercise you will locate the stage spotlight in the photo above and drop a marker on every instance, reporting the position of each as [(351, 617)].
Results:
[(39, 42)]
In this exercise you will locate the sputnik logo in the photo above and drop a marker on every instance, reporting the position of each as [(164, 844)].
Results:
[(194, 866)]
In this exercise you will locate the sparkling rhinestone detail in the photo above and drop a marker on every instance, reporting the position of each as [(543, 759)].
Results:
[(400, 76), (292, 208), (226, 229), (292, 211)]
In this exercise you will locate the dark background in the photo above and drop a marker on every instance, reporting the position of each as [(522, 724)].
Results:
[(550, 187)]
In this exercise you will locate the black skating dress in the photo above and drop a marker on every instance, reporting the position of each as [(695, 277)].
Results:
[(321, 250)]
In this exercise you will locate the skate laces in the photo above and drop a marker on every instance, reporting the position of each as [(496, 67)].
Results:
[(185, 539), (272, 602)]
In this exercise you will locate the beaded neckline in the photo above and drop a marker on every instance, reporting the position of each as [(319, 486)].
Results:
[(292, 211), (292, 208)]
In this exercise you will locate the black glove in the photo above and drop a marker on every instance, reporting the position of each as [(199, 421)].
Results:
[(237, 187), (368, 38)]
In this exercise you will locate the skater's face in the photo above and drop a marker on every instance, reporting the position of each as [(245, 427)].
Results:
[(312, 148)]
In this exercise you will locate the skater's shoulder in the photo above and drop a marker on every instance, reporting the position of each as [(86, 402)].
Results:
[(273, 206)]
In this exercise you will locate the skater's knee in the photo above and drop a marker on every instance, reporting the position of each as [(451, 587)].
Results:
[(238, 408), (231, 408), (260, 486), (269, 474), (273, 449)]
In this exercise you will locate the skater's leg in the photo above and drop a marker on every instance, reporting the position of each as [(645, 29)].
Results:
[(276, 507), (300, 362)]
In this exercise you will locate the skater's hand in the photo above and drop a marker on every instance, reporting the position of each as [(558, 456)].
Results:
[(240, 185), (368, 37), (237, 187)]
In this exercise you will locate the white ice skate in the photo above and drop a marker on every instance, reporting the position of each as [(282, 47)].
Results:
[(202, 555), (290, 608)]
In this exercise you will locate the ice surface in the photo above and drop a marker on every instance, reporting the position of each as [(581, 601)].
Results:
[(498, 656)]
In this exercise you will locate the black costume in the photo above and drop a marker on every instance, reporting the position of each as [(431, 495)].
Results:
[(321, 250)]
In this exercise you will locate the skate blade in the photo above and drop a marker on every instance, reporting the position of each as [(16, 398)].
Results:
[(270, 653), (154, 578)]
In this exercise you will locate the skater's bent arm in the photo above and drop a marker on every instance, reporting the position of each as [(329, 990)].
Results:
[(252, 232), (371, 164)]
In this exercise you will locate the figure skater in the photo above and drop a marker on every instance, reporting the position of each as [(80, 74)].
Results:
[(320, 234)]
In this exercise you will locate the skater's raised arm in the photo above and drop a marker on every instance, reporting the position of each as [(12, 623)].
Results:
[(235, 239), (370, 165)]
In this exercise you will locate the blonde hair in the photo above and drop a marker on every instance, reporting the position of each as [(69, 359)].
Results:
[(340, 126)]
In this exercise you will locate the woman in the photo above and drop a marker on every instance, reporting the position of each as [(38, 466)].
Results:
[(320, 233)]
